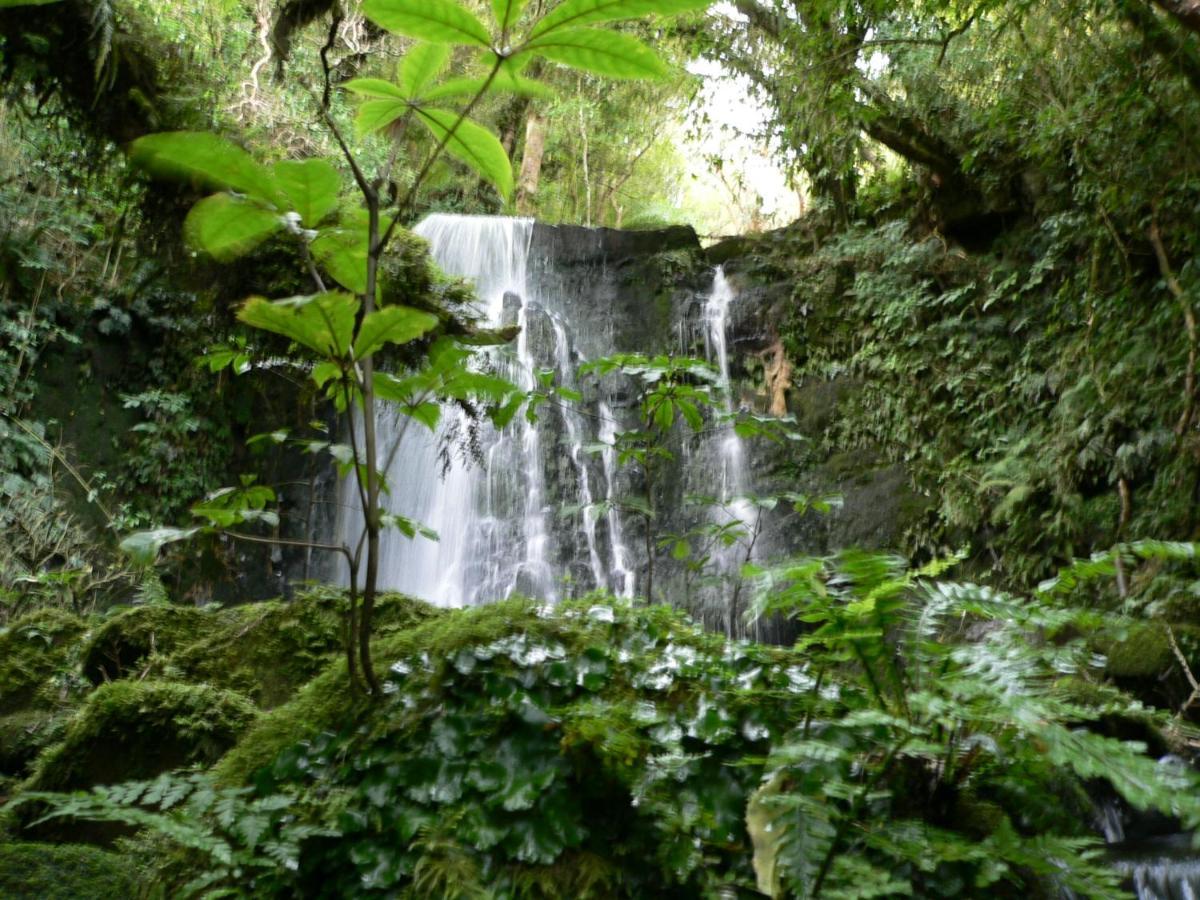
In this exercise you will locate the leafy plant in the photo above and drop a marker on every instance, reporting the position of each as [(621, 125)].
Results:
[(343, 330), (238, 842), (951, 734)]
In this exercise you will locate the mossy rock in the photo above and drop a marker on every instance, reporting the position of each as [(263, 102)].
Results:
[(32, 650), (268, 650), (328, 703), (127, 730), (1145, 650), (64, 872), (117, 647), (23, 735)]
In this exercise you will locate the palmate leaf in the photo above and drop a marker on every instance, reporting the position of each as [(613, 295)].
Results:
[(380, 113), (310, 187), (342, 252), (574, 13), (391, 325), (602, 52), (321, 322), (507, 12), (207, 159), (375, 87), (472, 144), (226, 226), (504, 82), (436, 21), (421, 65)]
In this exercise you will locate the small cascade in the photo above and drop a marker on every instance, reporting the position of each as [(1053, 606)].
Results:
[(1158, 860), (624, 578), (734, 478)]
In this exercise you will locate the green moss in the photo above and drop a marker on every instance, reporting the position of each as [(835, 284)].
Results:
[(63, 872), (136, 729), (1145, 650), (268, 650), (23, 735), (117, 647), (32, 650), (327, 702)]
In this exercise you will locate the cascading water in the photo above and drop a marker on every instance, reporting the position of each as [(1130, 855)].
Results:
[(733, 505), (522, 516)]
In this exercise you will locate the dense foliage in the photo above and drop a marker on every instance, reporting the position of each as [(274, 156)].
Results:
[(993, 294)]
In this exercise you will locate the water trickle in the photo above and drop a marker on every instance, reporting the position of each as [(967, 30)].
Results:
[(734, 478)]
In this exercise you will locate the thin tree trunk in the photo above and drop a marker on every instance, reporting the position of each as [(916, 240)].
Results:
[(531, 161)]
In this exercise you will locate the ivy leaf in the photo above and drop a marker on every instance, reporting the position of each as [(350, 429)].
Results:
[(602, 52), (436, 21), (375, 87), (574, 13), (474, 145), (143, 546), (226, 227), (206, 159), (376, 114), (392, 324), (321, 322), (420, 66), (310, 187)]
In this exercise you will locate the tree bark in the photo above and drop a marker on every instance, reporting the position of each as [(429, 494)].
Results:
[(531, 161)]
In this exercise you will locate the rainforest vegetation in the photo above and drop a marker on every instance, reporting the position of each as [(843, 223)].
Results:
[(941, 638)]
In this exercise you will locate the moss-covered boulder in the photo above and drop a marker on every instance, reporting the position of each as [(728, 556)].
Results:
[(128, 730), (268, 650), (262, 650), (23, 735), (64, 872), (33, 649), (117, 648)]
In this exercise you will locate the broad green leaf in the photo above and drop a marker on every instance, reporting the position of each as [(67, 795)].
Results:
[(436, 21), (603, 52), (375, 87), (472, 144), (143, 546), (310, 188), (226, 227), (342, 252), (504, 82), (421, 65), (507, 12), (375, 114), (574, 13), (391, 325), (321, 322), (205, 158)]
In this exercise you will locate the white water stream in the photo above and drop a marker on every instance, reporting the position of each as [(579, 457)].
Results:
[(523, 518)]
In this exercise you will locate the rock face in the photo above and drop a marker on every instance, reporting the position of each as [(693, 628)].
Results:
[(547, 508)]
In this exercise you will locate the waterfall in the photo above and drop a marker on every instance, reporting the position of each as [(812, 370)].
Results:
[(529, 510), (734, 478)]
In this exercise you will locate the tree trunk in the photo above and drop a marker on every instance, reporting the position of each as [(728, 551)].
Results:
[(531, 161)]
